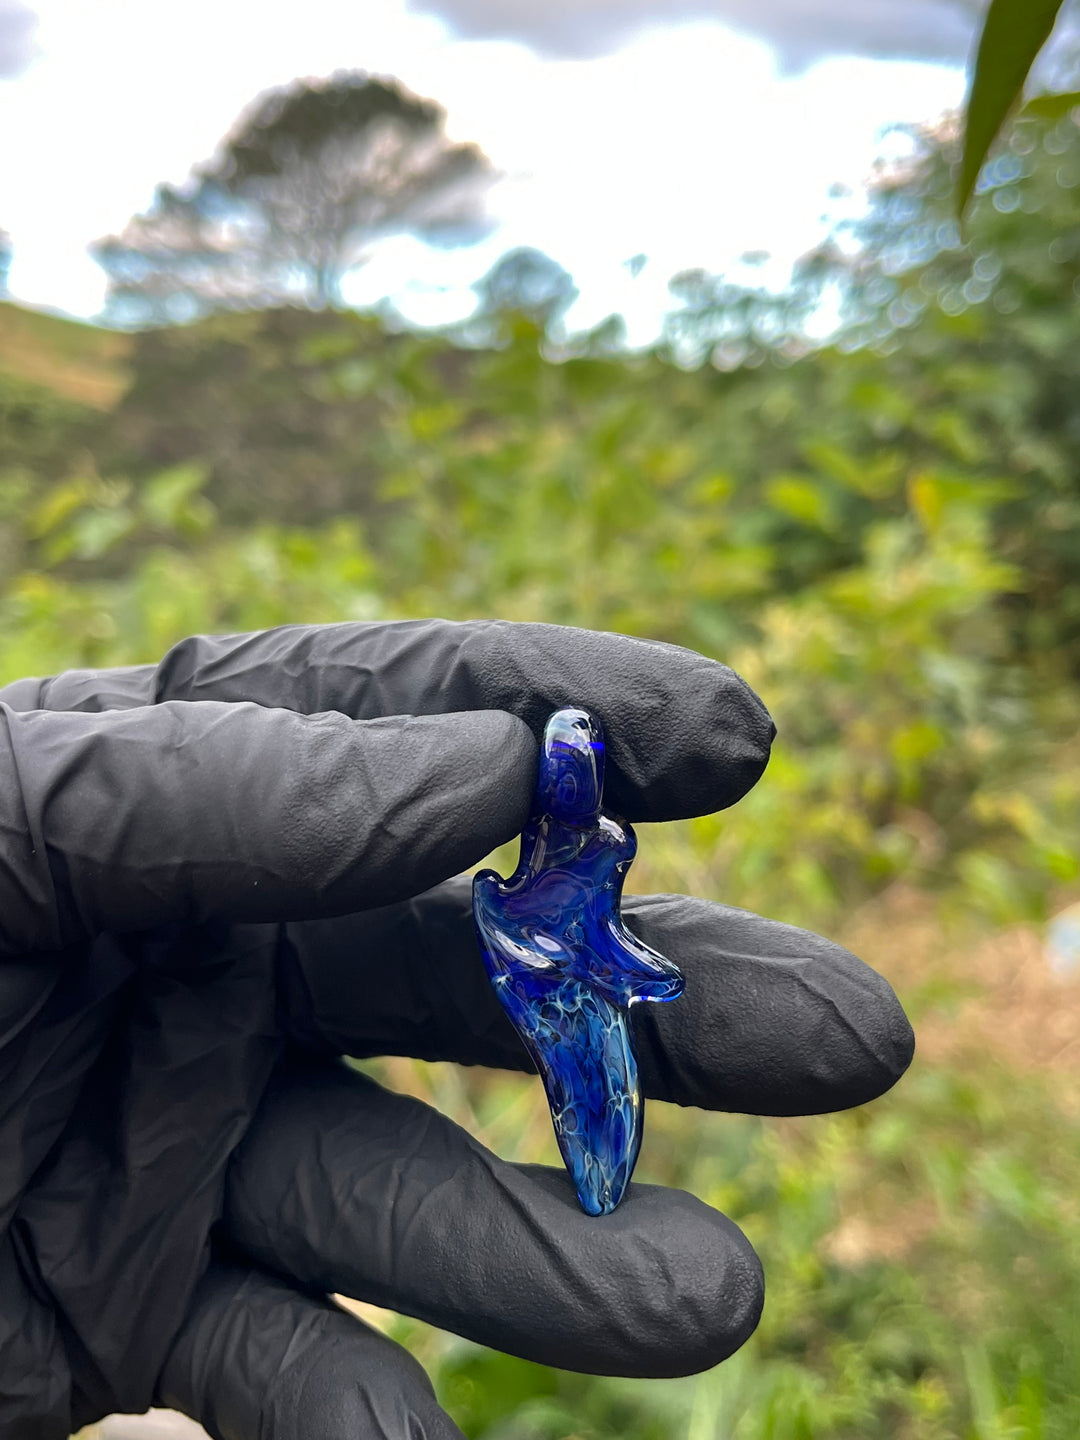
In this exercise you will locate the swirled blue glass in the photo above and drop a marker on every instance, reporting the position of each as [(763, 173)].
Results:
[(565, 968)]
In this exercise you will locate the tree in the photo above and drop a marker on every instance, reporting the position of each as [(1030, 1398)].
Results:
[(523, 287), (525, 281), (733, 324), (312, 176)]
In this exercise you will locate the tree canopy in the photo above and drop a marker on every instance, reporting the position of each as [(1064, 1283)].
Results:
[(310, 178), (525, 281)]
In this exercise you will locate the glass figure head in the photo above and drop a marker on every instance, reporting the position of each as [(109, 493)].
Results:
[(571, 768)]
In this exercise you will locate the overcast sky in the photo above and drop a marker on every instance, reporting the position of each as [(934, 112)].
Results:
[(691, 131), (800, 31)]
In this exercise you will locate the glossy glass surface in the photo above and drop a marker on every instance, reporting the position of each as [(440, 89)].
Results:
[(565, 968)]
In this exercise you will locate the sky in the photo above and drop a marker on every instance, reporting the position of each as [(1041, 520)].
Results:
[(689, 131)]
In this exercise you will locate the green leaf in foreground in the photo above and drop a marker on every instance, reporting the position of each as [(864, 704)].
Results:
[(1013, 34)]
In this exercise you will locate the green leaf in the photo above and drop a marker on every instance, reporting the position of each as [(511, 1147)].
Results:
[(1013, 34), (1051, 107), (168, 498)]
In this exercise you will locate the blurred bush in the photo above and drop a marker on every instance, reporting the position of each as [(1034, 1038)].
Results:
[(882, 535)]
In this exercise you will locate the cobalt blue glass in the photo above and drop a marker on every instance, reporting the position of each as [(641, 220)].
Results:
[(565, 968)]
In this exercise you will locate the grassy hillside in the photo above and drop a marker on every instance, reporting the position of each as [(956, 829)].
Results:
[(81, 363)]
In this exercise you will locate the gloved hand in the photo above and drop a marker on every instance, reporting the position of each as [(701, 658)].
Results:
[(216, 877)]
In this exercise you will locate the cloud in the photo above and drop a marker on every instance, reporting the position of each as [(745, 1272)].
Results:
[(801, 31), (17, 26)]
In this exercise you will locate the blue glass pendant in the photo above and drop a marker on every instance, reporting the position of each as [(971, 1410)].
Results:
[(565, 968)]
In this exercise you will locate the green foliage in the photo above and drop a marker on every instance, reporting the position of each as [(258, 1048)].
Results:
[(970, 347)]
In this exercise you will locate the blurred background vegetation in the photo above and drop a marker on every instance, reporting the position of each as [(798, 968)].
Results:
[(880, 532)]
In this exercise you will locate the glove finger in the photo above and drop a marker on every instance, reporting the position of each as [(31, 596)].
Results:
[(774, 1020), (257, 1358), (345, 1187), (193, 812), (685, 735)]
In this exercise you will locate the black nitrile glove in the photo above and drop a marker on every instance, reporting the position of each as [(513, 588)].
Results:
[(215, 877)]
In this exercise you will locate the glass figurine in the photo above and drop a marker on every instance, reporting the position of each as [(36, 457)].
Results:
[(565, 968)]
